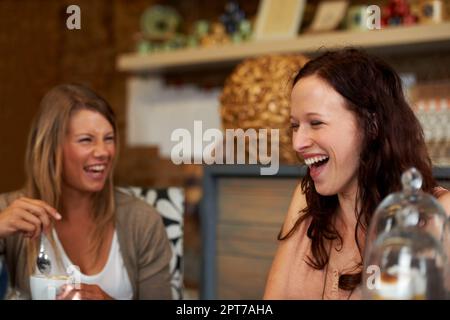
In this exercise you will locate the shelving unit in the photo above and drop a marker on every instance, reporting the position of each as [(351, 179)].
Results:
[(402, 38)]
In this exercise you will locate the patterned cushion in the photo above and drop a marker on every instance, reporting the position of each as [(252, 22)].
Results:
[(169, 203)]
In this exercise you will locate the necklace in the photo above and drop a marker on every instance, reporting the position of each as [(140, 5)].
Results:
[(326, 270), (326, 273)]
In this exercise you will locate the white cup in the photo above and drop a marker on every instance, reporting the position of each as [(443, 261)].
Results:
[(46, 288)]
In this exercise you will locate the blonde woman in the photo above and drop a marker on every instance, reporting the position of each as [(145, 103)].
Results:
[(118, 242)]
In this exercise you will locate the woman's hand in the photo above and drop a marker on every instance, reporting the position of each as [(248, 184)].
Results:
[(28, 216), (85, 292)]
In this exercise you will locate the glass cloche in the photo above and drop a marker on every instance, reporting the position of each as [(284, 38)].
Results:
[(407, 246)]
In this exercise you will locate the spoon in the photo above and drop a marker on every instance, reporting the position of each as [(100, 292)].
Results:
[(43, 261)]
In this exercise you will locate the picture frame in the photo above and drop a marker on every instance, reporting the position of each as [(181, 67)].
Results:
[(278, 19), (328, 16)]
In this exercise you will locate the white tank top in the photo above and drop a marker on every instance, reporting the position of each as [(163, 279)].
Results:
[(113, 279)]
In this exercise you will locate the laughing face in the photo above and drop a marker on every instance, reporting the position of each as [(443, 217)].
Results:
[(326, 135), (88, 151)]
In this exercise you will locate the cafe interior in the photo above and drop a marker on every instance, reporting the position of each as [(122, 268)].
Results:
[(178, 72)]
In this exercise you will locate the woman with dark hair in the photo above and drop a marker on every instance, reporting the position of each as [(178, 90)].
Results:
[(117, 242), (357, 134)]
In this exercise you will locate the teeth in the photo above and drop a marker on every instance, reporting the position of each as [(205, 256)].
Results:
[(311, 161), (99, 167)]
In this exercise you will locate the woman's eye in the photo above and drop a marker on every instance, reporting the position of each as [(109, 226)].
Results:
[(316, 123), (85, 140), (109, 139), (294, 125)]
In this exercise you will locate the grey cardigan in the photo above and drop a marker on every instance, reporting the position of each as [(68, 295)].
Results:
[(143, 244)]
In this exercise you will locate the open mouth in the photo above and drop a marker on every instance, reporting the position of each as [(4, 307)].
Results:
[(316, 165), (316, 162), (95, 171)]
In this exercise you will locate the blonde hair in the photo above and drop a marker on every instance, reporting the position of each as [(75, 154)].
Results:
[(43, 160)]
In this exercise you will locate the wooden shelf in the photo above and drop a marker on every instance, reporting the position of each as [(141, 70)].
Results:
[(403, 38)]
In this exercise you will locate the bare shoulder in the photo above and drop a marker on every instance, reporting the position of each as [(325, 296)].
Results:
[(298, 203), (288, 251), (444, 200)]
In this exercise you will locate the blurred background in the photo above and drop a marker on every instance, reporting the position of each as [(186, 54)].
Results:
[(164, 64)]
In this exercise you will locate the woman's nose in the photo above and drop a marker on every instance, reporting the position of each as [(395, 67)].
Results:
[(301, 140), (100, 150)]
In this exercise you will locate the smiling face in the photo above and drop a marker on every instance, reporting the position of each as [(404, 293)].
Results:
[(326, 135), (88, 151)]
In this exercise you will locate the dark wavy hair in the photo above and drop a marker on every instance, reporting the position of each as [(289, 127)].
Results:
[(393, 141)]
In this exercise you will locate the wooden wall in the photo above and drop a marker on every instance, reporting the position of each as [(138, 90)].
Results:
[(250, 214), (29, 66), (39, 52)]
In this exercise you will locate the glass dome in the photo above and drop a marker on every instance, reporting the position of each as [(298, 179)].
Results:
[(406, 246), (405, 264), (418, 208)]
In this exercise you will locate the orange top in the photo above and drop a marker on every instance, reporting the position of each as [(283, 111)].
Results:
[(439, 191), (292, 278), (301, 281)]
